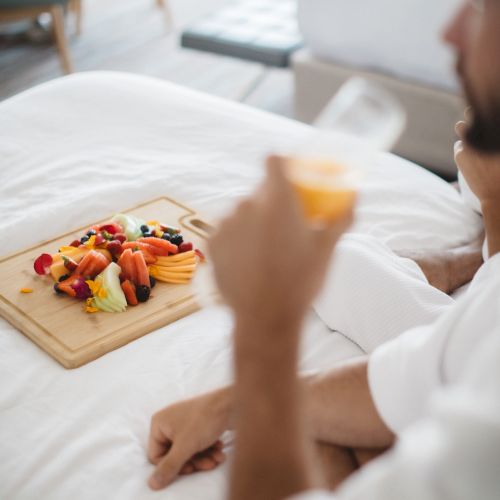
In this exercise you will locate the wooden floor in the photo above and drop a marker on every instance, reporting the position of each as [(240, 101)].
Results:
[(132, 36)]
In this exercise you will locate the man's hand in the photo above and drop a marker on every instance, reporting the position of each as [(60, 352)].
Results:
[(481, 171), (184, 437), (268, 259)]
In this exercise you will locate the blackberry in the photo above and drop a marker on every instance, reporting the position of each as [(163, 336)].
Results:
[(56, 288), (145, 229), (84, 239), (142, 292), (152, 281), (166, 236), (177, 239), (91, 232), (63, 277)]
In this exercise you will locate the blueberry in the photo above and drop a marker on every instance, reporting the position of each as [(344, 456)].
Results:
[(91, 232), (166, 236), (63, 277), (152, 281), (142, 293), (144, 229), (56, 288), (84, 239), (177, 239)]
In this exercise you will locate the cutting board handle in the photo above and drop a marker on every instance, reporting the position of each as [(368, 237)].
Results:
[(198, 226)]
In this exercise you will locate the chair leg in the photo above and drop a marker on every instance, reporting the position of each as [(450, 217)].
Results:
[(57, 13), (76, 6)]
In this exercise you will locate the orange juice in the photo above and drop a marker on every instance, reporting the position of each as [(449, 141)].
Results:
[(325, 188)]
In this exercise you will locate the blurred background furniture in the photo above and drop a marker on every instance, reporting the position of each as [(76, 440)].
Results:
[(395, 43), (14, 10), (256, 30)]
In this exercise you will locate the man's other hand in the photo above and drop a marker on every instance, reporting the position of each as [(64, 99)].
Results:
[(481, 171), (184, 437)]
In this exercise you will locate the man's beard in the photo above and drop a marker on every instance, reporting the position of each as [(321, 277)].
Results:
[(483, 131)]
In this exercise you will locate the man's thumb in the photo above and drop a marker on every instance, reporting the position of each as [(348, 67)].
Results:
[(169, 467)]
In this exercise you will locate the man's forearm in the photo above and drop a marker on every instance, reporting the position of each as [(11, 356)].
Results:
[(339, 407), (448, 269), (341, 410), (491, 217), (271, 456), (463, 263)]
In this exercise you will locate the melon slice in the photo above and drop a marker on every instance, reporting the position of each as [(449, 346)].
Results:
[(115, 300)]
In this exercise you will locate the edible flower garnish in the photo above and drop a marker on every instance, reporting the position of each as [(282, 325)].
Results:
[(90, 308), (90, 243), (153, 271), (97, 289), (66, 248)]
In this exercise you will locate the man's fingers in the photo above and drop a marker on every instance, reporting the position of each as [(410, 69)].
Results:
[(460, 129), (169, 467), (219, 456), (275, 166), (204, 462), (458, 147), (468, 114), (327, 237), (187, 468), (277, 180), (158, 443)]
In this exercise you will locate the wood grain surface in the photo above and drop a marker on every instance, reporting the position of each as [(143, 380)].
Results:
[(59, 324)]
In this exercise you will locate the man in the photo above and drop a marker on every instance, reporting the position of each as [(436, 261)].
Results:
[(448, 426)]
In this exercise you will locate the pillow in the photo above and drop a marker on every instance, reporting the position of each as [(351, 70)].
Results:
[(408, 207)]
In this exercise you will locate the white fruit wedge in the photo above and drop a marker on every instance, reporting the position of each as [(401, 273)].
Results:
[(114, 300)]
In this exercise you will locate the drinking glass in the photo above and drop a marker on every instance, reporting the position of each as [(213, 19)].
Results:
[(361, 120)]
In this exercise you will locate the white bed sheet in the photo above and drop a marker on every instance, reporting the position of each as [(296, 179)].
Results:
[(401, 38), (82, 147)]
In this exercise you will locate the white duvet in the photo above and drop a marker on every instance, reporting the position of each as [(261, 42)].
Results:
[(83, 147)]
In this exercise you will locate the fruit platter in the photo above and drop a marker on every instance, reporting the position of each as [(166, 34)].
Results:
[(116, 264), (98, 287)]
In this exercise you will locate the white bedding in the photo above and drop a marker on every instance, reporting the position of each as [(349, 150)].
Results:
[(82, 147), (401, 38)]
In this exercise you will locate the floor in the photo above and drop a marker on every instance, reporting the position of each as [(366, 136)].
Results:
[(132, 36)]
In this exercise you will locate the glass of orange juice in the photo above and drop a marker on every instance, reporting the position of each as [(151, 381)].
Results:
[(361, 120), (326, 189), (326, 168)]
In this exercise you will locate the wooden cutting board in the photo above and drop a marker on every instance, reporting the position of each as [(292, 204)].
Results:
[(59, 324)]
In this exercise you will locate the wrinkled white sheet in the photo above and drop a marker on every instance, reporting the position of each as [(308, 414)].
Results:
[(82, 147)]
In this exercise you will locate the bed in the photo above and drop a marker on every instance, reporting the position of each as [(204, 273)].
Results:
[(395, 43), (82, 147)]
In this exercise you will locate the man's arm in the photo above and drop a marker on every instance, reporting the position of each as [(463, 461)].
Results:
[(273, 456), (449, 269), (340, 408)]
